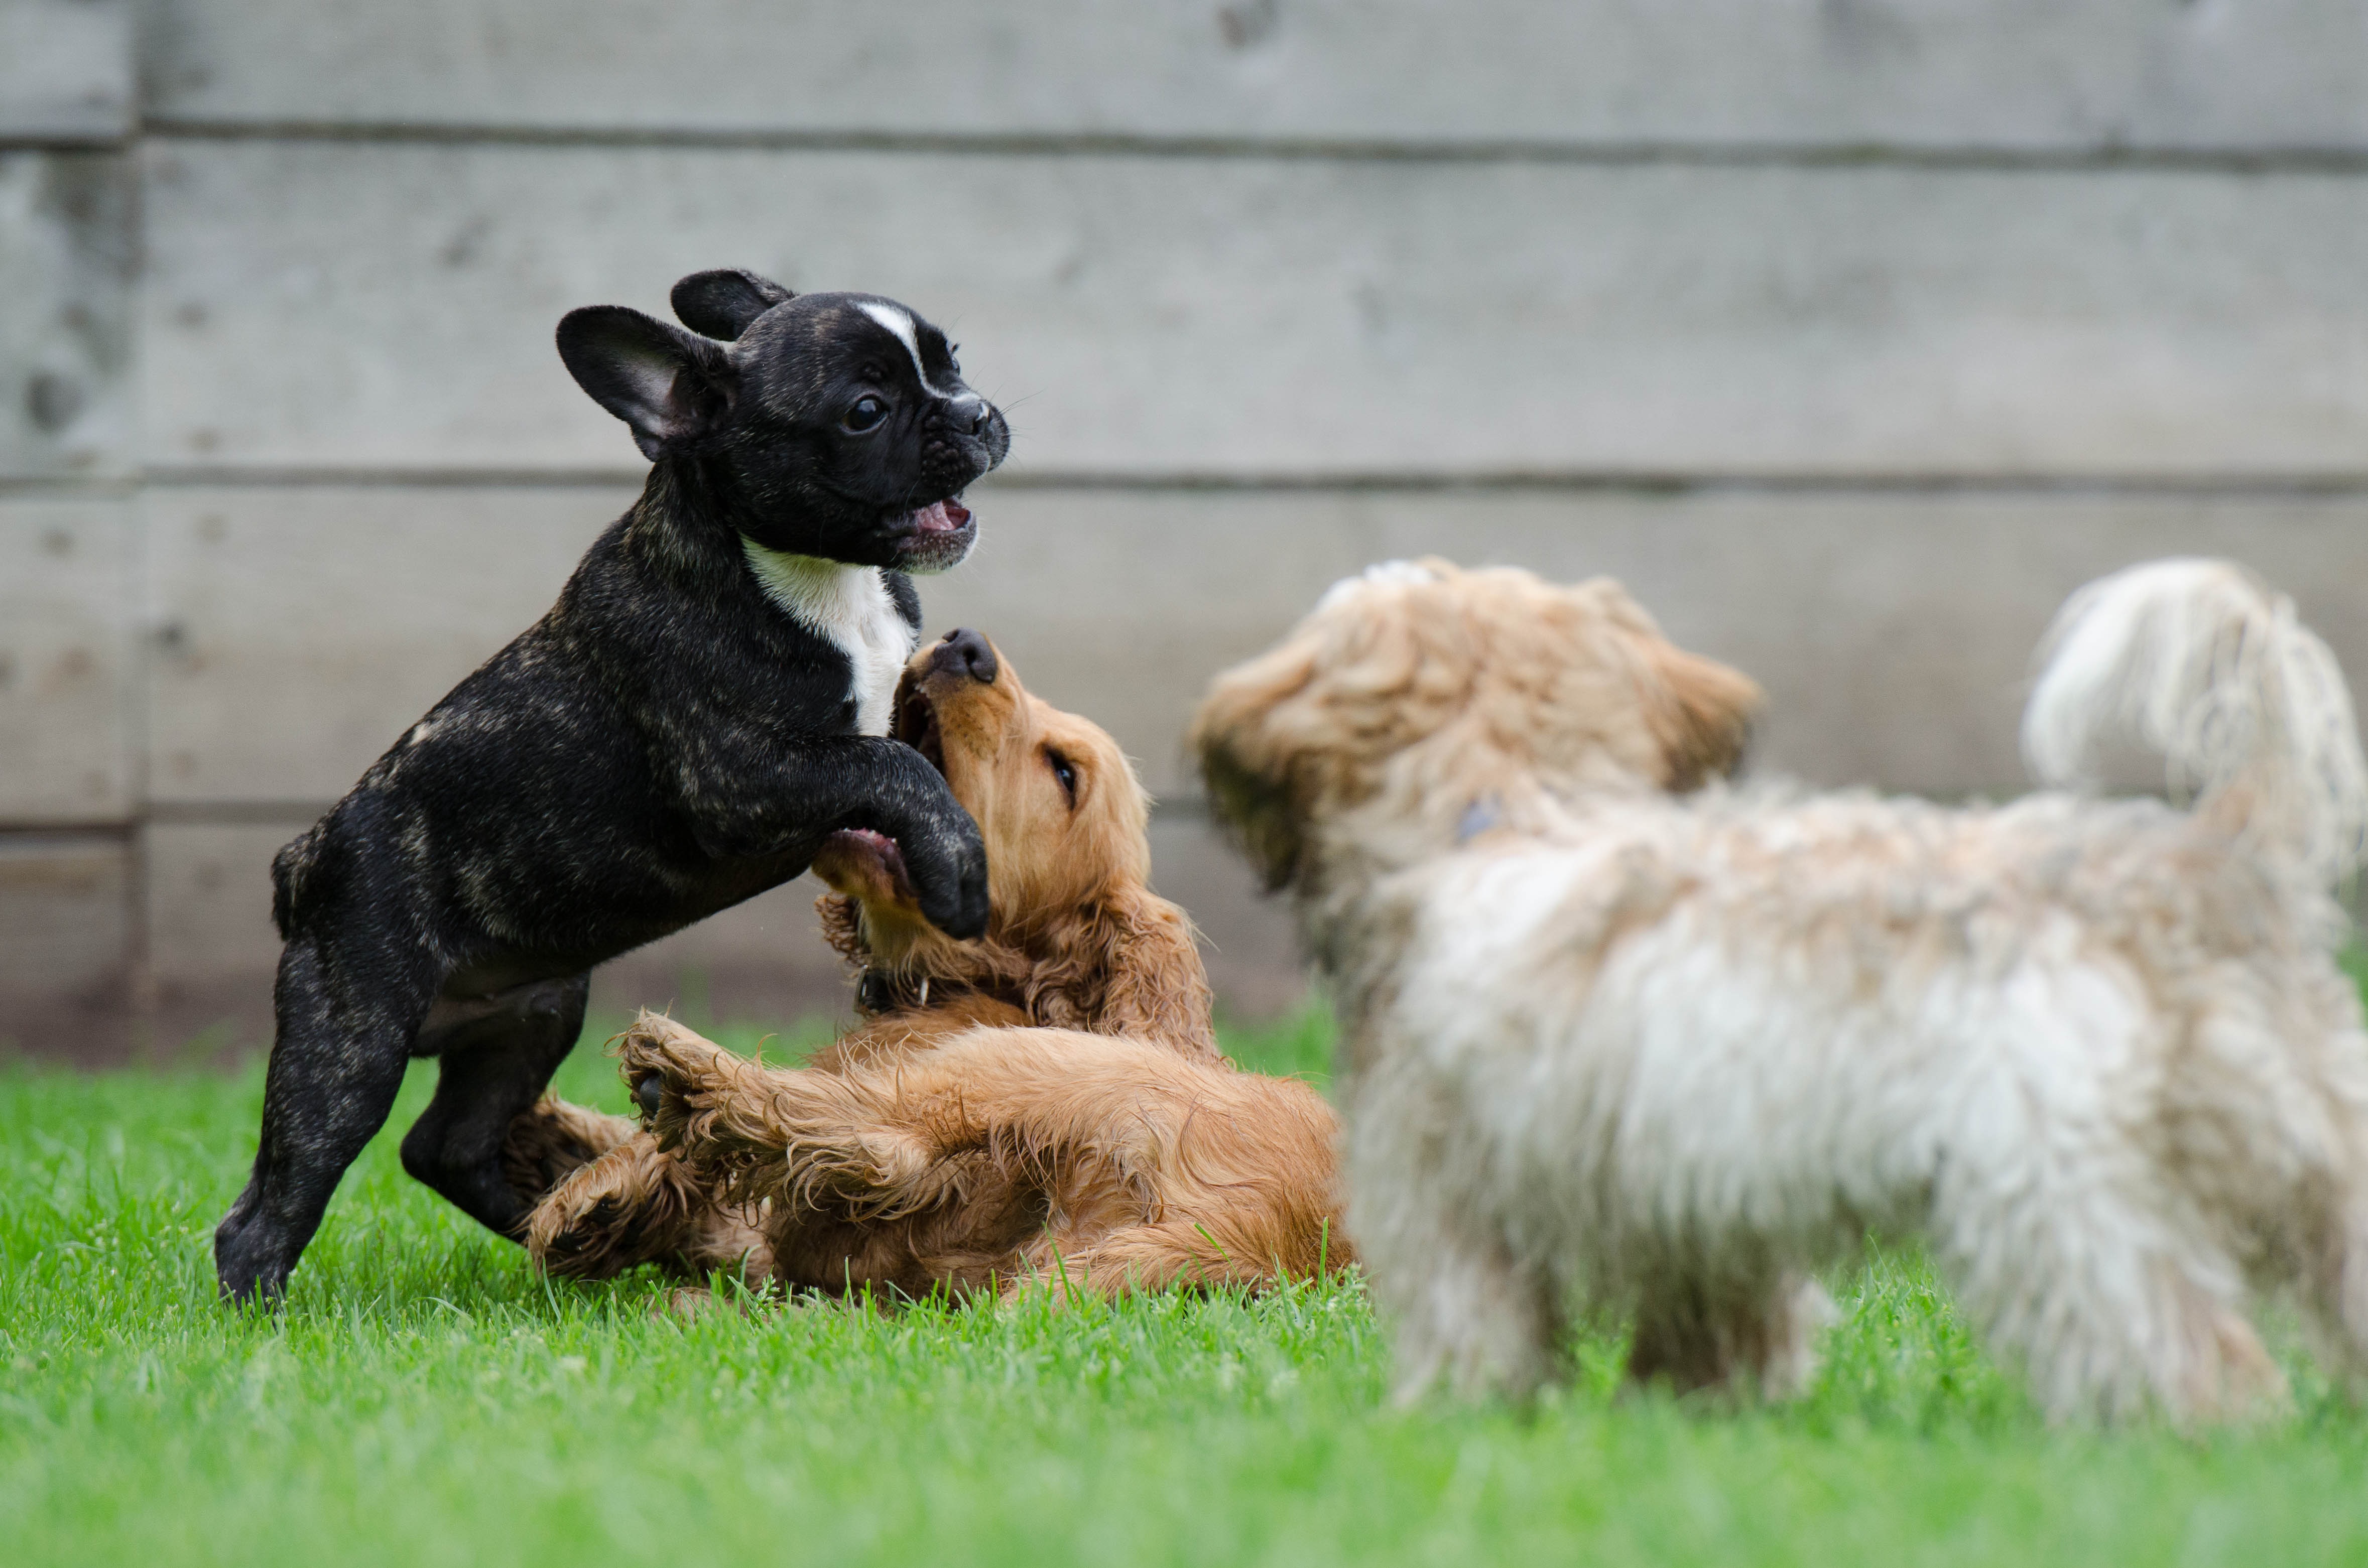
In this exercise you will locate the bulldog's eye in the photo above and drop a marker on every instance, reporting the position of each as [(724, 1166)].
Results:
[(1066, 775), (868, 412)]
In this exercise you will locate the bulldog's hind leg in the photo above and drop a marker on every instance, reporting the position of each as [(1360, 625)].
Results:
[(338, 1058), (497, 1055)]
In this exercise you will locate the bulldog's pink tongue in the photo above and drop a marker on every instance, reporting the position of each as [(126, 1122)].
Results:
[(940, 518)]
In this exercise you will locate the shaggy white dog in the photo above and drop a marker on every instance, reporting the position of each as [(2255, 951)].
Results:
[(1610, 1047)]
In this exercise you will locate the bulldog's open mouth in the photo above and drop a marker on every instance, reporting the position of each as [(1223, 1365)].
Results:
[(932, 538), (945, 517)]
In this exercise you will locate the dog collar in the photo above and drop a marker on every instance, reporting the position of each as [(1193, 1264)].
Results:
[(1478, 818), (877, 991)]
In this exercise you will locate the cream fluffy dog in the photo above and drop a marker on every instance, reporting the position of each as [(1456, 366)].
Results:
[(1612, 1048)]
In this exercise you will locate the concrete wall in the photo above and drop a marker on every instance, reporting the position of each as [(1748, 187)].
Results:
[(1851, 333)]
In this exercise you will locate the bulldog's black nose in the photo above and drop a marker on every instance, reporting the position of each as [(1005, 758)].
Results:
[(964, 652), (981, 417)]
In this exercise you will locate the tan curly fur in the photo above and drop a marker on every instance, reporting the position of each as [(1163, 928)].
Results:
[(1609, 1048), (1005, 1158)]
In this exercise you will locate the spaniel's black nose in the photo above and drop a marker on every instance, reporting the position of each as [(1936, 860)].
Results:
[(965, 652)]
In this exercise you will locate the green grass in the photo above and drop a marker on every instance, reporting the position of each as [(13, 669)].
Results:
[(425, 1399)]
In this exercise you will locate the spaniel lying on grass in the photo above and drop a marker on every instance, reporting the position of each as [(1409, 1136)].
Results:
[(944, 1144), (1612, 1047)]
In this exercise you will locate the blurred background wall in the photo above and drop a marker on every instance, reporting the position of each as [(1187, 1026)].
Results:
[(1851, 333)]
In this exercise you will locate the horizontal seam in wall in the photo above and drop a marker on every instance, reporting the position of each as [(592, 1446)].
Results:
[(18, 835), (2303, 159), (67, 142), (1645, 482), (53, 488), (236, 813)]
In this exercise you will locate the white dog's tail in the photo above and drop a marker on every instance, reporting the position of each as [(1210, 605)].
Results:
[(2204, 666)]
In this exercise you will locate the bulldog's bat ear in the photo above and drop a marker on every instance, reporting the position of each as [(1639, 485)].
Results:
[(721, 303), (670, 385)]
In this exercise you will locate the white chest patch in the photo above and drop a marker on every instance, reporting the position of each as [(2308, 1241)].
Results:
[(849, 607)]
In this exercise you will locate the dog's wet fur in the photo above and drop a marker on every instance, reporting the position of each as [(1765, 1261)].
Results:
[(678, 733)]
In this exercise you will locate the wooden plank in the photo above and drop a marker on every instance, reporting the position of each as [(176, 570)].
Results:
[(2015, 73), (374, 307), (300, 630), (67, 253), (208, 896), (66, 69), (1249, 940), (65, 935), (303, 628), (66, 665), (1892, 631)]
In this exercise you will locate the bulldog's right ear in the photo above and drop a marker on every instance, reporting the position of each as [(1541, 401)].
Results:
[(722, 302), (670, 385)]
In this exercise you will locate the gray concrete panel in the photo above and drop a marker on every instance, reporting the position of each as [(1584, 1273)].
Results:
[(2012, 74), (66, 70), (65, 943), (67, 253), (365, 306), (66, 661)]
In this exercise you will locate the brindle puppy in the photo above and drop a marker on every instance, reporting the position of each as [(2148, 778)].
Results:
[(707, 703)]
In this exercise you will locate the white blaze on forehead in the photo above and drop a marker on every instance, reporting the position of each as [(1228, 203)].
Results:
[(1379, 572), (900, 321)]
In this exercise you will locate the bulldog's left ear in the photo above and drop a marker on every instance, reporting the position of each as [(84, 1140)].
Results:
[(721, 303), (671, 387)]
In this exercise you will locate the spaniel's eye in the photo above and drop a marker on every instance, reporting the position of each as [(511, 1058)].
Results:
[(1064, 773), (868, 412)]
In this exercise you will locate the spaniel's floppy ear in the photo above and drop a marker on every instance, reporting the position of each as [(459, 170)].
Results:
[(1701, 713), (1127, 964)]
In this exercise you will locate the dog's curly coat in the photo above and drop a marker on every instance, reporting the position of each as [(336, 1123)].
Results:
[(930, 1148), (1611, 1048)]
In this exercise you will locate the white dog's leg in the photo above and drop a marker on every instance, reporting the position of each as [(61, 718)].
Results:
[(1477, 1320), (1693, 1333), (2110, 1309), (2334, 1276), (1464, 1308)]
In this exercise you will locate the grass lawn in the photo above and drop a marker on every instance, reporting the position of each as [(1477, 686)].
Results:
[(425, 1399)]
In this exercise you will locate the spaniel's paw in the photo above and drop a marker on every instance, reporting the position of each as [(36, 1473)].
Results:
[(673, 1072), (627, 1208)]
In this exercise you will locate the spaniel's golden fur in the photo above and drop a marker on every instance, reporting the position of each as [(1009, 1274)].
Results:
[(1612, 1047), (957, 1139)]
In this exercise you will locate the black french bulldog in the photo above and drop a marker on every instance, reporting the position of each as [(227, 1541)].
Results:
[(708, 700)]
